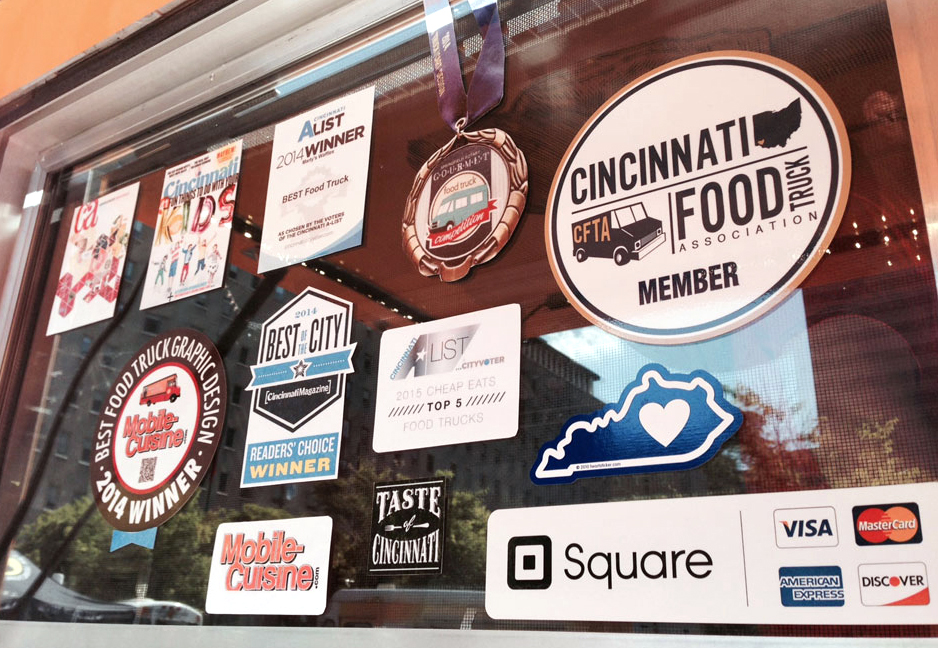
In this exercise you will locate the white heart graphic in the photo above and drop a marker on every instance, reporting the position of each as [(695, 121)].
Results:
[(663, 424)]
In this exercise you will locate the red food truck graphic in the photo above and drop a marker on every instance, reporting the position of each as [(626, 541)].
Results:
[(160, 390)]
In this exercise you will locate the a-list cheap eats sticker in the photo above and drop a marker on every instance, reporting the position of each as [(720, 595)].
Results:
[(193, 227), (453, 380), (93, 262), (298, 392), (698, 197), (318, 181), (270, 567), (158, 430)]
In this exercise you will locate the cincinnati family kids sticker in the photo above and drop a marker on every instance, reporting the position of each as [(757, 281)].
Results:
[(408, 527), (663, 421), (193, 227), (698, 197), (158, 430), (298, 392)]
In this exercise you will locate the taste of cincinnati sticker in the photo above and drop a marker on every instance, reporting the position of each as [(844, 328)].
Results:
[(158, 430), (698, 197)]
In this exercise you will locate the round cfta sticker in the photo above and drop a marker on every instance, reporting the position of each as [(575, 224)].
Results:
[(158, 430), (698, 197)]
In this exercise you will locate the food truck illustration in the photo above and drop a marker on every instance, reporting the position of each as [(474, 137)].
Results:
[(458, 207), (160, 390), (621, 234)]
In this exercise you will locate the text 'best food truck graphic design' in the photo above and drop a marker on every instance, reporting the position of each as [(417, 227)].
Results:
[(298, 391), (158, 430), (709, 213), (408, 527)]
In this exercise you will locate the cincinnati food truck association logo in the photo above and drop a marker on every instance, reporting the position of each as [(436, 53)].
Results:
[(158, 430), (465, 205), (698, 197), (408, 527)]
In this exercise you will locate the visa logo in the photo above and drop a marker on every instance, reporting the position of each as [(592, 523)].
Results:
[(806, 527)]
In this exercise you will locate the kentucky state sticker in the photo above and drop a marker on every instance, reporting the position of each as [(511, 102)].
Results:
[(298, 392), (698, 197), (408, 527), (158, 430), (663, 421), (454, 380)]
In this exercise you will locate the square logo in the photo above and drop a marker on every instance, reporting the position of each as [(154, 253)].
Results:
[(887, 524), (806, 527), (529, 562), (811, 586), (894, 584)]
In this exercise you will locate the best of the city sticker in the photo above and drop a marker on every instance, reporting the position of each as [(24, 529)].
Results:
[(193, 227), (270, 567), (158, 430), (663, 421), (408, 527), (318, 181), (93, 263), (298, 392), (454, 380), (698, 197)]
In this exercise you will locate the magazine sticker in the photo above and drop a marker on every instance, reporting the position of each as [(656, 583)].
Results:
[(298, 392), (158, 430), (454, 380), (193, 227), (672, 221), (270, 567), (93, 263), (706, 560), (663, 421), (408, 527), (318, 181)]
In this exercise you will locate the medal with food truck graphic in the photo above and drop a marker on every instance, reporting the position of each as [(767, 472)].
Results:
[(158, 430), (709, 214)]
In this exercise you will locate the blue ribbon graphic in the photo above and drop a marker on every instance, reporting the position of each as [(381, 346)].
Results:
[(301, 368)]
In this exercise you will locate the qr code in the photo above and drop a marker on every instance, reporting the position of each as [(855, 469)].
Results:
[(147, 470)]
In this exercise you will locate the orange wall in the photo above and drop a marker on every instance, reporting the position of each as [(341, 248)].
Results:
[(38, 36)]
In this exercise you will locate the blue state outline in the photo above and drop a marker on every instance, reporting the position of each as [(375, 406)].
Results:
[(600, 420)]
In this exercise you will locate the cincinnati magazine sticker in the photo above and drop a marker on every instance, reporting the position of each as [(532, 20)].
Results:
[(408, 527), (158, 430), (93, 263), (454, 380), (318, 181), (779, 558), (193, 227), (298, 392), (698, 197), (663, 421), (270, 567)]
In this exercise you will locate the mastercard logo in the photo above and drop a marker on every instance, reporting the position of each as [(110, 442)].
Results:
[(884, 524)]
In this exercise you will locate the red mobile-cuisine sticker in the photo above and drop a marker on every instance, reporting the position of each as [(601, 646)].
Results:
[(158, 430)]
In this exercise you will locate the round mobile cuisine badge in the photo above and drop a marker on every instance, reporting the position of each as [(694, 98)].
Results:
[(698, 197), (158, 430)]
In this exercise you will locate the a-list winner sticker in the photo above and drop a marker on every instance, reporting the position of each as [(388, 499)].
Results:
[(454, 380)]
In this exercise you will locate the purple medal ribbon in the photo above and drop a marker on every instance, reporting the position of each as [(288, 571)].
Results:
[(459, 108)]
